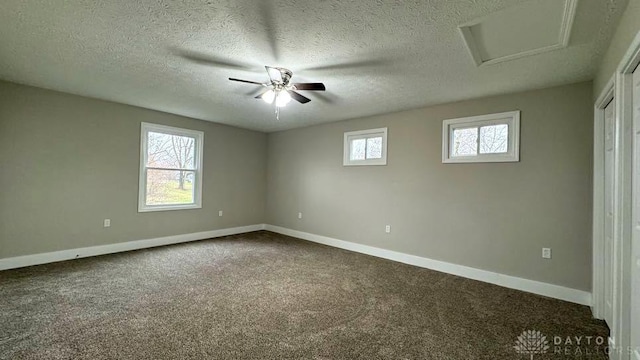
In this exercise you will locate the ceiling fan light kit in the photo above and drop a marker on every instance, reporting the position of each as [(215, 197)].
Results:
[(280, 90), (283, 98), (268, 96)]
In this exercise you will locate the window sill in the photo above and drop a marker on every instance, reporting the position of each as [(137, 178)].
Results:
[(365, 163), (481, 159), (168, 207)]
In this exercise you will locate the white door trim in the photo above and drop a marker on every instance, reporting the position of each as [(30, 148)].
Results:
[(634, 319), (623, 224), (598, 288)]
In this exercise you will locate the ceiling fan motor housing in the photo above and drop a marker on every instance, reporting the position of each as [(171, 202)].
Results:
[(286, 75)]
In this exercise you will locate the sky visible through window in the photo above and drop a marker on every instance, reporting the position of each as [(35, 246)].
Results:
[(368, 148), (491, 139)]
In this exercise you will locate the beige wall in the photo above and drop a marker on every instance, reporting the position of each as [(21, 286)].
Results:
[(628, 28), (68, 162), (494, 216)]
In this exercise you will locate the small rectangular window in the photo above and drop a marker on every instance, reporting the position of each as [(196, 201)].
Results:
[(365, 147), (485, 138), (170, 168)]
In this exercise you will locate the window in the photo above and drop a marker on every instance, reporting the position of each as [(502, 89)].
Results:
[(485, 138), (366, 147), (170, 168)]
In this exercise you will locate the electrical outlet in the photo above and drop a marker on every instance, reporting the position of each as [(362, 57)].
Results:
[(546, 253), (107, 222), (387, 229), (220, 213), (299, 215)]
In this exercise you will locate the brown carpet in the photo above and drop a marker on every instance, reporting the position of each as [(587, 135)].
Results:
[(266, 296)]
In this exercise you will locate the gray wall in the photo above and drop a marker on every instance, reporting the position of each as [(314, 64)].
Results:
[(68, 162), (493, 216), (628, 27)]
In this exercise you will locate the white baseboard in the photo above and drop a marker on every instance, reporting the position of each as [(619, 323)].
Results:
[(44, 258), (532, 286)]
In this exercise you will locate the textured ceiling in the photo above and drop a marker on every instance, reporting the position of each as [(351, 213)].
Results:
[(374, 56)]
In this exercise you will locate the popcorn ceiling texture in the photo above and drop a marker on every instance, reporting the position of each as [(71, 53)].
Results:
[(409, 53)]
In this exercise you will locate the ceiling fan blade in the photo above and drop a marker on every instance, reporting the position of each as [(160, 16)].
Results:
[(310, 86), (259, 96), (247, 81), (297, 97), (325, 97), (274, 74)]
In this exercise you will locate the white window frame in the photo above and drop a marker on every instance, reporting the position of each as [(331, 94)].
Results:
[(364, 134), (510, 118), (197, 189)]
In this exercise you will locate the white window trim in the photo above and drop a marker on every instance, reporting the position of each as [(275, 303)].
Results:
[(363, 134), (142, 187), (512, 118)]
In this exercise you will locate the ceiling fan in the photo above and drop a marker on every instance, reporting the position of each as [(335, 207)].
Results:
[(280, 91)]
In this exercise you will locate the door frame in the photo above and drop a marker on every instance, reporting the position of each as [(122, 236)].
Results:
[(598, 287), (634, 318), (620, 87), (624, 224)]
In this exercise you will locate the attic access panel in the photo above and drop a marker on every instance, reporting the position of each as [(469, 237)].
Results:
[(529, 28)]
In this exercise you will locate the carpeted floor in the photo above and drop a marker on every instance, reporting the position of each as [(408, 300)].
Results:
[(266, 296)]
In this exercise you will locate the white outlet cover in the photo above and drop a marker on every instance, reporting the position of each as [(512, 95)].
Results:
[(299, 215), (546, 253), (107, 222), (387, 228), (220, 213)]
